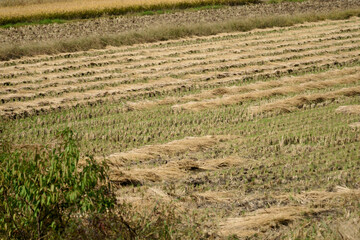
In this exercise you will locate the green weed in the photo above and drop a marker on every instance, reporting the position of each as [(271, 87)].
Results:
[(40, 22)]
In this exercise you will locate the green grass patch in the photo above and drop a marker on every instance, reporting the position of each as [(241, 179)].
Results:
[(147, 13), (40, 22)]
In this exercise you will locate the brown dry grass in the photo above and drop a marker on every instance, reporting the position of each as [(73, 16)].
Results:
[(171, 171), (313, 78), (308, 204), (353, 109), (215, 197), (355, 125), (264, 219), (350, 230), (235, 99), (323, 197), (174, 148), (293, 103)]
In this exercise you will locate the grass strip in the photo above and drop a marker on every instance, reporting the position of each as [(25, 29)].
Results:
[(164, 33), (37, 13), (44, 21)]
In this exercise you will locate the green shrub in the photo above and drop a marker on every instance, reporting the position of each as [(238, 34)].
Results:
[(42, 190)]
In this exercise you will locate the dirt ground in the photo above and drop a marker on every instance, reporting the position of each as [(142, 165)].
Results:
[(113, 25)]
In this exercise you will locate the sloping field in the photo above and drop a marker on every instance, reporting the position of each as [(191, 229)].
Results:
[(256, 135)]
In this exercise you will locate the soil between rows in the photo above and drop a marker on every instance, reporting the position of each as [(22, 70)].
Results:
[(114, 25)]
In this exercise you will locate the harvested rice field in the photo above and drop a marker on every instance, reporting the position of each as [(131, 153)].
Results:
[(247, 135)]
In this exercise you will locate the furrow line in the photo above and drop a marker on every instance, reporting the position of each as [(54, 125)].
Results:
[(291, 104), (196, 52), (10, 110), (55, 82), (24, 96), (198, 40), (260, 85), (239, 98)]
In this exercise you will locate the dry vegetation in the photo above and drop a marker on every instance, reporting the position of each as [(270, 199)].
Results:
[(40, 37), (77, 9), (249, 135), (43, 84), (354, 109)]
